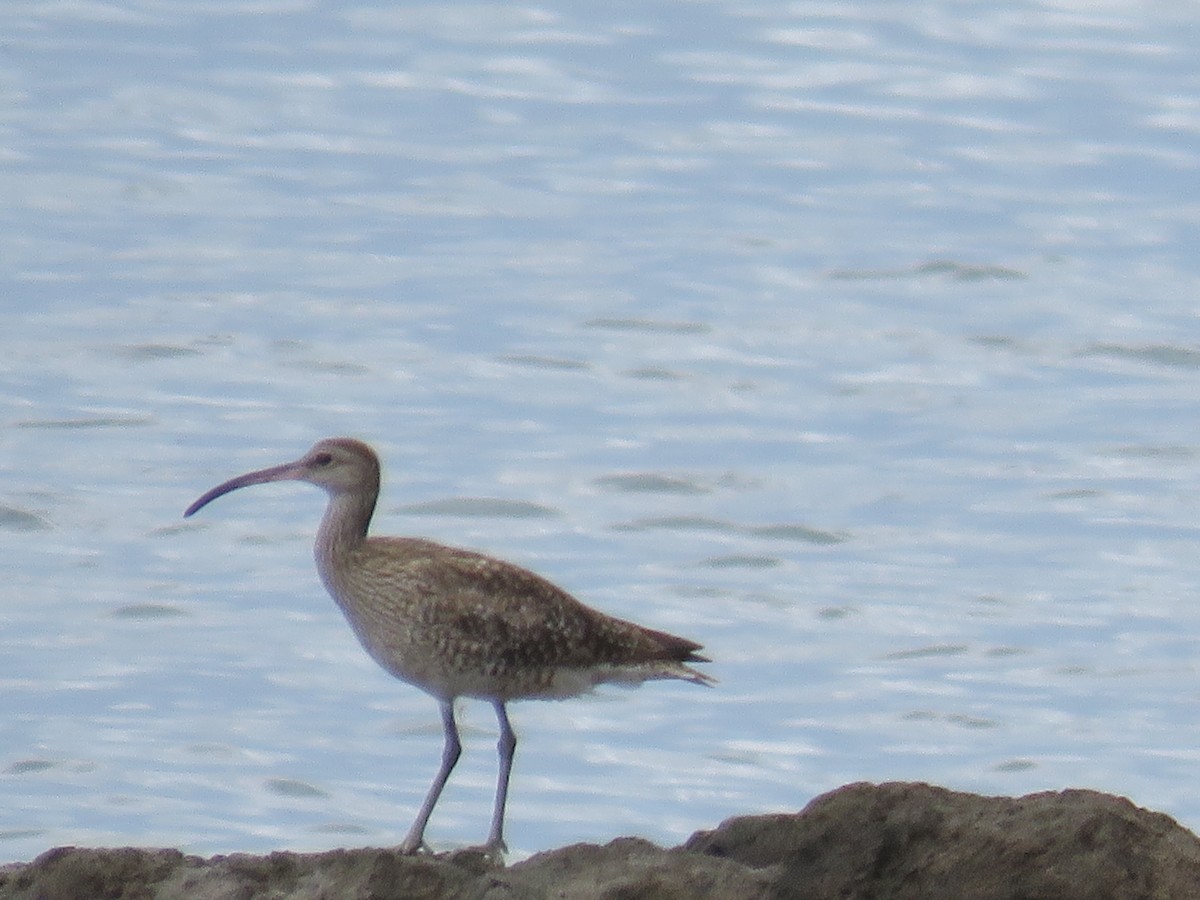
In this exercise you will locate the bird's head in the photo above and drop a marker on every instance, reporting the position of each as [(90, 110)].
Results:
[(339, 465)]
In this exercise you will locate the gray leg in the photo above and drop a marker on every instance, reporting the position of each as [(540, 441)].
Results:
[(506, 746), (451, 750)]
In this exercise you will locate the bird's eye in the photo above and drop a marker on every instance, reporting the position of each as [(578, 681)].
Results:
[(322, 459)]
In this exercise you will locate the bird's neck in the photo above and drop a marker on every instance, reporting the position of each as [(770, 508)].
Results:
[(343, 528)]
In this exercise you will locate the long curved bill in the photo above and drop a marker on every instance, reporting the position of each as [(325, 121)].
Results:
[(285, 472)]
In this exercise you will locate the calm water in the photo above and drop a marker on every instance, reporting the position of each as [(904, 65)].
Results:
[(859, 343)]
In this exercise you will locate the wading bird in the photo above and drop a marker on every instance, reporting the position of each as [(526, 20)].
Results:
[(457, 623)]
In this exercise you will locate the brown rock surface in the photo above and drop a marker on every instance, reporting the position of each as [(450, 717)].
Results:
[(918, 841), (861, 841)]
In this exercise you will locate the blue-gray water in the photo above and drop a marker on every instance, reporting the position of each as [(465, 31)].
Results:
[(859, 342)]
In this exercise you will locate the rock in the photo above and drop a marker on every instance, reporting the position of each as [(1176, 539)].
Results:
[(918, 841), (628, 868), (862, 841), (70, 873)]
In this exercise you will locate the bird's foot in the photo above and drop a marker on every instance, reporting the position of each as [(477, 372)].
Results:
[(414, 847), (480, 858)]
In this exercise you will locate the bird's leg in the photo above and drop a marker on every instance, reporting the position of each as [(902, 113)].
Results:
[(506, 746), (451, 750)]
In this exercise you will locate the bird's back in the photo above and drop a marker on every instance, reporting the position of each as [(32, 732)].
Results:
[(459, 623)]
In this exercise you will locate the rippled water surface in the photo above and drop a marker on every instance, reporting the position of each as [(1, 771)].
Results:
[(857, 342)]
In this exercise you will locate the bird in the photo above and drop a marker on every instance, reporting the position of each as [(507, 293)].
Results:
[(458, 623)]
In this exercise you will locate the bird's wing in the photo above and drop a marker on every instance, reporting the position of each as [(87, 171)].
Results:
[(505, 609)]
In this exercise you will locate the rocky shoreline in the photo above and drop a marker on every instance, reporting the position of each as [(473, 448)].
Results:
[(897, 840)]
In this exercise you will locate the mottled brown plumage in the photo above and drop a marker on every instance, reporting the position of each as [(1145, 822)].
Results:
[(457, 623)]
